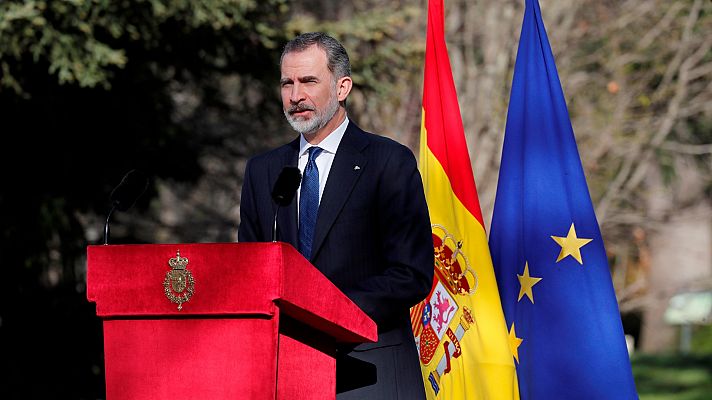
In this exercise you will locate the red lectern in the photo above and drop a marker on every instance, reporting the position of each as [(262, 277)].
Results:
[(219, 321)]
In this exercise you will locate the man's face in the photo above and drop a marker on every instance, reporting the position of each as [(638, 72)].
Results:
[(308, 89)]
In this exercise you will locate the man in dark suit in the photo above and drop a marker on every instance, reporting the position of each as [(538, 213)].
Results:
[(360, 216)]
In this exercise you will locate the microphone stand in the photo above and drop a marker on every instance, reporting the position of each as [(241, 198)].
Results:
[(274, 226), (106, 225), (283, 192)]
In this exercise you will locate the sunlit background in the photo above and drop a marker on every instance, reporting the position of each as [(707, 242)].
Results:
[(186, 90)]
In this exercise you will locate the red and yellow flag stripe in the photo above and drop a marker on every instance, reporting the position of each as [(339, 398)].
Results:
[(460, 327)]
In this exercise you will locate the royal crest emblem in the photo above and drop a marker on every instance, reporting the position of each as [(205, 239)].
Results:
[(179, 284), (439, 322)]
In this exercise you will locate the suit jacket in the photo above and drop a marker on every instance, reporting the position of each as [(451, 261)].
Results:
[(372, 240)]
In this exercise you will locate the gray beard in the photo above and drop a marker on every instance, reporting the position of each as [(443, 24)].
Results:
[(321, 118)]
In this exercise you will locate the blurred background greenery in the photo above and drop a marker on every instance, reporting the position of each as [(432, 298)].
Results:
[(673, 376), (186, 90)]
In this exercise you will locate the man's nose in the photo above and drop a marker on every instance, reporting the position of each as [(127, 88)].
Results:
[(296, 96)]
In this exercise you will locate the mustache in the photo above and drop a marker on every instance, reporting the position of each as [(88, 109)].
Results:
[(299, 108)]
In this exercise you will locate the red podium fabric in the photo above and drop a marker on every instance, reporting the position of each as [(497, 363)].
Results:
[(262, 323)]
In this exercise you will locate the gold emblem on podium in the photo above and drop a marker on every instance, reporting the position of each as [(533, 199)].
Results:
[(179, 284)]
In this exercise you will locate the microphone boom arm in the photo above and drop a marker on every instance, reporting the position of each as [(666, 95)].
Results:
[(106, 225)]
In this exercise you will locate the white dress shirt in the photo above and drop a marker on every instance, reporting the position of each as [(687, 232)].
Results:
[(323, 162)]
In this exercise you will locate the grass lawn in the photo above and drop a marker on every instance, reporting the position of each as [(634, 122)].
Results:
[(679, 377)]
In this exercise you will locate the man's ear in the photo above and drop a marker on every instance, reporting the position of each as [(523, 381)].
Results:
[(343, 88)]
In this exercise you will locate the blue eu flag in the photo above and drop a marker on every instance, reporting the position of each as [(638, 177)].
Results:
[(564, 326)]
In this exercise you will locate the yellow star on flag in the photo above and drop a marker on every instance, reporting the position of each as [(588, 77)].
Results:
[(526, 283), (570, 245), (514, 343)]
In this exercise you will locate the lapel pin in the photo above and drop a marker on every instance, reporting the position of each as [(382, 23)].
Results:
[(356, 168)]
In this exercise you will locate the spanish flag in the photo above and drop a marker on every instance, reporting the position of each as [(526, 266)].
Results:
[(459, 328)]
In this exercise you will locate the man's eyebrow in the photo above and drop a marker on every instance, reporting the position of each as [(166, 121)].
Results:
[(308, 78)]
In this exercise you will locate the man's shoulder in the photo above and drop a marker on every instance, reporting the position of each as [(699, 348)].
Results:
[(382, 143)]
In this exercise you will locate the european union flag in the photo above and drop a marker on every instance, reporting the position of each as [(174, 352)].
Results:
[(564, 326)]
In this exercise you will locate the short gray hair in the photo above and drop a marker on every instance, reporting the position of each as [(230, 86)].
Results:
[(336, 56)]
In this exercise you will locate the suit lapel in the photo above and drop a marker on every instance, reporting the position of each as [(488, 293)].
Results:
[(287, 217), (342, 178)]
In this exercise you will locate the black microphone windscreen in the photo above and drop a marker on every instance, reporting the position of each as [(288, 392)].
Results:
[(286, 185), (129, 190)]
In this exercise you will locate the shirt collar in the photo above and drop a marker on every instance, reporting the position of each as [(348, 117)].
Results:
[(330, 142)]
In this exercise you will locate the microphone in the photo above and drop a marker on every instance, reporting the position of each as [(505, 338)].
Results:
[(286, 185), (125, 194), (284, 190)]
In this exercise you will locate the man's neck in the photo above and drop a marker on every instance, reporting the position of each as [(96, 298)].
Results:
[(316, 137)]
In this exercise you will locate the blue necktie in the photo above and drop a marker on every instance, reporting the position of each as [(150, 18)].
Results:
[(309, 203)]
